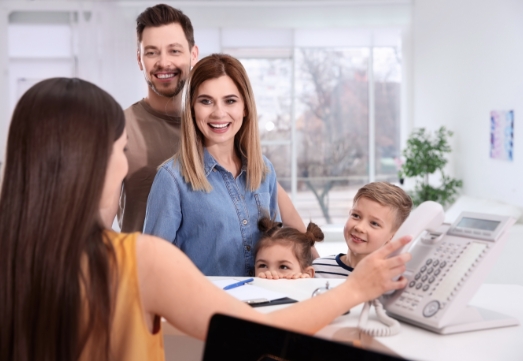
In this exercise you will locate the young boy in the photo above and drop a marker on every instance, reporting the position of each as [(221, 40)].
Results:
[(378, 210)]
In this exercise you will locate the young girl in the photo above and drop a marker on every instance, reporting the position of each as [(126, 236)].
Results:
[(285, 252)]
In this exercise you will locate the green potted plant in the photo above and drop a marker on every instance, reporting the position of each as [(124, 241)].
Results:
[(425, 155)]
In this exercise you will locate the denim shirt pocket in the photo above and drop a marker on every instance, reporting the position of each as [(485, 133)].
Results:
[(263, 201)]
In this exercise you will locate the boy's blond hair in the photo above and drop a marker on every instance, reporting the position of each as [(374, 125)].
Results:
[(389, 195)]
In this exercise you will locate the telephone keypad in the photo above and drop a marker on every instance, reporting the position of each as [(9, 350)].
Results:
[(430, 282), (427, 275), (409, 300)]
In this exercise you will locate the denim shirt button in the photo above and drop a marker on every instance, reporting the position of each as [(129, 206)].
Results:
[(244, 222), (248, 248), (251, 273)]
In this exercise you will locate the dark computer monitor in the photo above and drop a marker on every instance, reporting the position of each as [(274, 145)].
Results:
[(231, 339)]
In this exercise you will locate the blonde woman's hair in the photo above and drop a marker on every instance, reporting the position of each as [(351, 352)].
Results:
[(389, 195), (246, 141)]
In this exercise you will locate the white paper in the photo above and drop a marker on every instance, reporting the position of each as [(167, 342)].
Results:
[(249, 292)]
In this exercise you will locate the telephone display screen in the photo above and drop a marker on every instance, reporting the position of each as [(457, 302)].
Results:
[(475, 223)]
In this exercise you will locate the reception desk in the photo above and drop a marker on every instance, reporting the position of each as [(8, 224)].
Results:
[(411, 343)]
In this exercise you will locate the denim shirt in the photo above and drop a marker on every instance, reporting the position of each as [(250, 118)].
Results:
[(216, 230)]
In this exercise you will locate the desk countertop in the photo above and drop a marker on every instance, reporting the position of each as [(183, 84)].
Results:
[(413, 342)]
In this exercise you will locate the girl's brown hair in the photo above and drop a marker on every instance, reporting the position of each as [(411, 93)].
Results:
[(273, 232), (56, 272), (247, 140)]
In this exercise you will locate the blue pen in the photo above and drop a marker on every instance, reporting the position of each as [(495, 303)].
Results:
[(238, 284)]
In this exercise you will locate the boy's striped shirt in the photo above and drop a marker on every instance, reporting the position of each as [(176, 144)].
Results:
[(331, 267)]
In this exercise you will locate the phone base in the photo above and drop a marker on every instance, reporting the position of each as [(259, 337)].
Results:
[(471, 319)]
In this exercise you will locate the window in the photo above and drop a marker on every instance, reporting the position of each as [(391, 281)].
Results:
[(323, 111)]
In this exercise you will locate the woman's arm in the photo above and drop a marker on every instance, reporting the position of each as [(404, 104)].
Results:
[(163, 215), (290, 216), (172, 287)]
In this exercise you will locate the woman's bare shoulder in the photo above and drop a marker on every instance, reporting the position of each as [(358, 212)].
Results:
[(152, 246)]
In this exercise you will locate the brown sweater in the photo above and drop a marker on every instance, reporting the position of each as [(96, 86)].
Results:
[(152, 139)]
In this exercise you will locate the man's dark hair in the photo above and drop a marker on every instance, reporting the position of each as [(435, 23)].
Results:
[(162, 14)]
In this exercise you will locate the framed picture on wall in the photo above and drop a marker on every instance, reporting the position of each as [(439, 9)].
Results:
[(502, 134)]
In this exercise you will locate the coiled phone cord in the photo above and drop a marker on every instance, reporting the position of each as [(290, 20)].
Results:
[(393, 326)]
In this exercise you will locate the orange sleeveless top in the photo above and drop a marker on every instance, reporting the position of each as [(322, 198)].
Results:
[(131, 340)]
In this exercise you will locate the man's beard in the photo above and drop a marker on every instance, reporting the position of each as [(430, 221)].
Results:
[(168, 93)]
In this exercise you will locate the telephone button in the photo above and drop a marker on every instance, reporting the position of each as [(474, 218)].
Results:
[(426, 287), (417, 276), (418, 286), (431, 279), (429, 271), (423, 269), (412, 283), (436, 262), (431, 309), (429, 261), (442, 264), (424, 278), (437, 272)]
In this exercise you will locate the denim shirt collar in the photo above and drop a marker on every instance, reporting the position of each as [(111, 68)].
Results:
[(209, 163)]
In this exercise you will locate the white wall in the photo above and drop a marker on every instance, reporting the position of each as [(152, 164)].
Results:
[(467, 61)]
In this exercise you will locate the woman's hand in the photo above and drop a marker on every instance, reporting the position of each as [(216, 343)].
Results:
[(376, 273)]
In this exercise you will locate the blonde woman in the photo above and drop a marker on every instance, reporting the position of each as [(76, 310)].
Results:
[(208, 199)]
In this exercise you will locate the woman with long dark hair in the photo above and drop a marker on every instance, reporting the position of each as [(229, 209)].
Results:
[(72, 289)]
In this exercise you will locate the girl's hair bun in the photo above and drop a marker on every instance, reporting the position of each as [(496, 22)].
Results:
[(314, 233), (268, 226)]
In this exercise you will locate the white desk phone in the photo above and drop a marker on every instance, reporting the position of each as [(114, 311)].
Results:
[(449, 263)]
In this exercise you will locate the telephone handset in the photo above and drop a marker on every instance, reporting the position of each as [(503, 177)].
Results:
[(428, 216), (448, 265)]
